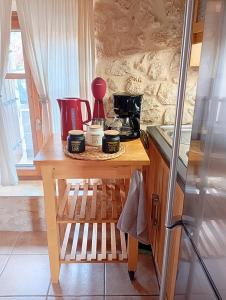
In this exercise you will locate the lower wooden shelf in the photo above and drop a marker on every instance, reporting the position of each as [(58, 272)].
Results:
[(93, 242), (92, 203)]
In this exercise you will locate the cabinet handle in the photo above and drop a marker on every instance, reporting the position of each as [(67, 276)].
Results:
[(155, 210)]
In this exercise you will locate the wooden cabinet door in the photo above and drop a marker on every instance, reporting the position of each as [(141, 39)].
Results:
[(176, 234), (157, 193), (152, 190), (163, 176), (175, 244), (157, 187)]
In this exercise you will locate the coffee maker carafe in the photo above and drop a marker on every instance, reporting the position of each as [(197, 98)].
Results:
[(127, 108)]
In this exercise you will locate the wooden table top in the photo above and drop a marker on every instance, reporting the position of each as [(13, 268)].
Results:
[(195, 154), (52, 153)]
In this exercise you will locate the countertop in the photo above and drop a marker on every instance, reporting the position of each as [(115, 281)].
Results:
[(166, 150), (53, 152)]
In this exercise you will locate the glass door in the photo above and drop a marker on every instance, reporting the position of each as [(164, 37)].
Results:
[(16, 91), (22, 101)]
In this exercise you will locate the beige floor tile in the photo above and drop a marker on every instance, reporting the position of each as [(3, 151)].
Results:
[(26, 275), (131, 297), (23, 298), (79, 280), (118, 282), (23, 188), (3, 261), (7, 241), (23, 213), (31, 243), (76, 298)]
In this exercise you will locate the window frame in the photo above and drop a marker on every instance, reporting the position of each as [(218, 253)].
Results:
[(29, 172)]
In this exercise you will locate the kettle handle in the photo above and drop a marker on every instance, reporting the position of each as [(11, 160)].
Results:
[(88, 111)]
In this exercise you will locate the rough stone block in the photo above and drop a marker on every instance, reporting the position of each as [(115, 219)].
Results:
[(152, 89), (169, 116), (135, 85), (118, 68), (154, 71), (167, 93), (111, 84)]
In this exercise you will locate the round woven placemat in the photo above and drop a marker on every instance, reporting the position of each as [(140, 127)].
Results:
[(95, 153)]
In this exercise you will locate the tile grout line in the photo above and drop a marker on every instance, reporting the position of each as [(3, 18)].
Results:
[(25, 254), (10, 254), (132, 295), (76, 296), (136, 295), (104, 280), (20, 233), (47, 295), (22, 296), (51, 296), (3, 269), (14, 245)]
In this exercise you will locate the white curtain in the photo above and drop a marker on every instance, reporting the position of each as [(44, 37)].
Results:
[(86, 48), (7, 161), (10, 104), (58, 41)]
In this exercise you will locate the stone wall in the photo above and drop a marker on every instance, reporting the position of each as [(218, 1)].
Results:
[(138, 51)]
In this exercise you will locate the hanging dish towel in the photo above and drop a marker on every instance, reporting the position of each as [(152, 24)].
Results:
[(133, 219)]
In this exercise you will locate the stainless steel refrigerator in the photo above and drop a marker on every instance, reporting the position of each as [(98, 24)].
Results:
[(202, 263)]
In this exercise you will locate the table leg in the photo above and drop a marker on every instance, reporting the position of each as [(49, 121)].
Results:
[(132, 256), (49, 186), (62, 184)]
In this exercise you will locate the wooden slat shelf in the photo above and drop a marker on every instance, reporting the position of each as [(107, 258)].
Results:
[(92, 203), (93, 242), (75, 212)]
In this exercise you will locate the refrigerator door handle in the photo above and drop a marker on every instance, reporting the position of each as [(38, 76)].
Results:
[(155, 210), (176, 221)]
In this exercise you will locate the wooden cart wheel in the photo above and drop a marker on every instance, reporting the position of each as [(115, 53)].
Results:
[(131, 275)]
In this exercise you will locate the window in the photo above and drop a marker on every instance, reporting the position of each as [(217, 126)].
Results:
[(22, 101), (16, 77)]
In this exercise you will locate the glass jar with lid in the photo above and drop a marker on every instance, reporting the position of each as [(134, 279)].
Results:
[(94, 135), (76, 141), (110, 141)]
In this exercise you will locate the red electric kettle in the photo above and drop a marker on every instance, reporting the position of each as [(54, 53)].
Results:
[(71, 115)]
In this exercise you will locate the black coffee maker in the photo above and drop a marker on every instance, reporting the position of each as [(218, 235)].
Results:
[(127, 108)]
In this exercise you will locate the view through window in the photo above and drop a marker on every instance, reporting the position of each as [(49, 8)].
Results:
[(16, 77)]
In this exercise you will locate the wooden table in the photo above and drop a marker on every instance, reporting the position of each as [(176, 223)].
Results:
[(86, 213)]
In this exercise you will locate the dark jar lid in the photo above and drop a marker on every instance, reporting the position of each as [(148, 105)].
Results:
[(111, 133), (76, 132)]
